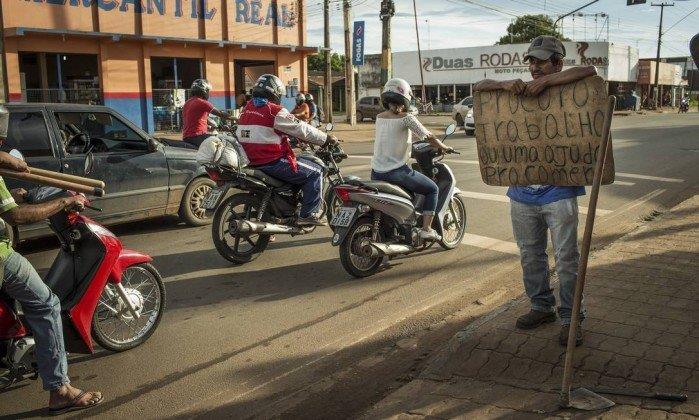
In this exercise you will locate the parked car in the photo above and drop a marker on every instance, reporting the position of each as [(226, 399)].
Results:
[(144, 176), (463, 115), (369, 107)]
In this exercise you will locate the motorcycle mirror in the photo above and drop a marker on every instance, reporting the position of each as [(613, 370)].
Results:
[(329, 127), (89, 163), (451, 129), (16, 153)]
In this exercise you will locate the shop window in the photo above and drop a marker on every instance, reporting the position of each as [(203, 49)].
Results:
[(59, 77), (27, 132)]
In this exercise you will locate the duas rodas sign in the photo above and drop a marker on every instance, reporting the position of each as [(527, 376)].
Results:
[(551, 139)]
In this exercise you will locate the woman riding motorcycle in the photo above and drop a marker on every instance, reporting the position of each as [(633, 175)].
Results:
[(394, 132)]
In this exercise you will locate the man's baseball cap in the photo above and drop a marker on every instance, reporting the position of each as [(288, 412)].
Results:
[(543, 46)]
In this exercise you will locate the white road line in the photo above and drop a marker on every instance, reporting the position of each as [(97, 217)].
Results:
[(505, 199), (359, 157), (490, 243), (648, 177), (469, 162), (625, 183)]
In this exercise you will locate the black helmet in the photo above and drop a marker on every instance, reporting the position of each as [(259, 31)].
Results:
[(270, 87), (300, 99), (309, 97), (201, 87)]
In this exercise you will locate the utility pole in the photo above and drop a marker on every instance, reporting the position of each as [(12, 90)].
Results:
[(387, 11), (328, 91), (349, 68), (658, 100), (419, 55)]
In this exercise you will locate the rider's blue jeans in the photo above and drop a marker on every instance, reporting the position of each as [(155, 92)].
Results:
[(413, 181), (309, 176), (42, 311)]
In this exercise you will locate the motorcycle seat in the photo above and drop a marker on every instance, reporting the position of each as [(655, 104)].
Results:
[(388, 188), (261, 176)]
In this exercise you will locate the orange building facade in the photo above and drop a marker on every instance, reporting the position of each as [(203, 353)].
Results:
[(140, 56)]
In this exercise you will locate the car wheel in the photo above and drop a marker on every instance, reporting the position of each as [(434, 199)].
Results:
[(459, 120), (191, 210), (360, 116)]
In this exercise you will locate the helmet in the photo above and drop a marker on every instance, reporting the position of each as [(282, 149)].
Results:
[(201, 87), (309, 97), (300, 98), (397, 91), (270, 87)]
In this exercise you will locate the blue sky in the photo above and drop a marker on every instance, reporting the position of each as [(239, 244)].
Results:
[(467, 23)]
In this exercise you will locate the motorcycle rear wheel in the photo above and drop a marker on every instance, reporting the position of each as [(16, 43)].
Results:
[(113, 326), (244, 248), (355, 264)]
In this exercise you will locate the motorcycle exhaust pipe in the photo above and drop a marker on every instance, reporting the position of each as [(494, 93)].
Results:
[(248, 226), (381, 249)]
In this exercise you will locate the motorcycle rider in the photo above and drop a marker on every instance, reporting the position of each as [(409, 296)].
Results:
[(314, 116), (394, 134), (302, 111), (19, 280), (263, 130), (195, 113)]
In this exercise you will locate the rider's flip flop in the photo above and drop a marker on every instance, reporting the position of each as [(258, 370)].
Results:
[(72, 405)]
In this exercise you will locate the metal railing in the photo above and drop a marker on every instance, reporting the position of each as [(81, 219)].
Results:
[(71, 96), (166, 116)]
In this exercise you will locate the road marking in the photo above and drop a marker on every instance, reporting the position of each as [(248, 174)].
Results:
[(505, 199), (639, 201), (648, 177), (490, 243), (625, 183), (359, 157), (469, 162)]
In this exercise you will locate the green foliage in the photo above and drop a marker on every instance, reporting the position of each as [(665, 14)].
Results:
[(317, 62), (527, 27)]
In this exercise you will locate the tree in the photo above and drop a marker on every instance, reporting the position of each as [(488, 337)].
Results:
[(527, 27), (317, 62)]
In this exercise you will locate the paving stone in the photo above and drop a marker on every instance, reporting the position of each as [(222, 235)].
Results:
[(659, 353), (621, 366), (673, 377), (646, 371), (512, 343), (478, 358), (597, 360), (518, 368), (496, 364)]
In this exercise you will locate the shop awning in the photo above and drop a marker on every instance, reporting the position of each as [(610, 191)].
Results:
[(21, 31)]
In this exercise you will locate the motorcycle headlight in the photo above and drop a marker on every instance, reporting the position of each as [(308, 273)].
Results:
[(469, 114)]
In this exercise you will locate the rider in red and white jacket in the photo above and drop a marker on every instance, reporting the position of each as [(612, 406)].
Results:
[(264, 128)]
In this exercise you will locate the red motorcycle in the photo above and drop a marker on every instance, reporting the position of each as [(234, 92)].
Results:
[(110, 294)]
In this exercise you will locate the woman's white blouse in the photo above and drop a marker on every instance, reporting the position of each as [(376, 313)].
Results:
[(393, 140)]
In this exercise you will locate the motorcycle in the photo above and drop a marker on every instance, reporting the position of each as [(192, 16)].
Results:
[(379, 220), (684, 106), (108, 294), (244, 221)]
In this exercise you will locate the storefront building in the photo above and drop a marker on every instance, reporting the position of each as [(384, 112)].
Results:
[(141, 56), (449, 74), (670, 83)]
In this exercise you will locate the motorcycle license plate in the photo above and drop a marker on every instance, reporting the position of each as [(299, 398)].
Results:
[(343, 217), (212, 197)]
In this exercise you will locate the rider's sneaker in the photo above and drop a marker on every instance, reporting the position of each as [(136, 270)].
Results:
[(429, 235), (310, 221)]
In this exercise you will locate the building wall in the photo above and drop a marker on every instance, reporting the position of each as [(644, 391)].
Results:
[(124, 63)]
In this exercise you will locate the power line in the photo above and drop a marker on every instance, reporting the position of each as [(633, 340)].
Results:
[(685, 17)]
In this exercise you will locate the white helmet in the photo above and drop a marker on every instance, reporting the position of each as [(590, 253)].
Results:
[(397, 91)]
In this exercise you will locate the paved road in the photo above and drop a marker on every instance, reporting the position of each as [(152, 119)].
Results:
[(242, 336)]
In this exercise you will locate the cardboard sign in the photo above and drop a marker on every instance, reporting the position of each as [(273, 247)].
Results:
[(552, 139)]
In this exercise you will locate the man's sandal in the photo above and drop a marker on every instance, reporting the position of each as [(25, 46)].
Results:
[(72, 406)]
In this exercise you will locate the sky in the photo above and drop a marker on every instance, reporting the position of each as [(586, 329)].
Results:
[(470, 23)]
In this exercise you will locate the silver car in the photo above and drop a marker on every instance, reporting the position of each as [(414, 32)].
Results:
[(463, 115)]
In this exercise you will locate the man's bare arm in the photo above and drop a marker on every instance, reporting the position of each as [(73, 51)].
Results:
[(574, 74), (32, 213), (10, 162), (222, 114), (516, 85)]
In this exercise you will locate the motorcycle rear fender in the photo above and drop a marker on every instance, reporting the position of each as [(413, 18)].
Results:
[(340, 233), (399, 208), (126, 259), (10, 324)]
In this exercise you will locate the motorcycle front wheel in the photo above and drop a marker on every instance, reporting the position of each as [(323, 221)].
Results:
[(238, 248), (350, 255), (454, 224), (113, 325)]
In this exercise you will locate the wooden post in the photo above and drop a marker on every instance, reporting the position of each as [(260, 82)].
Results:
[(584, 254)]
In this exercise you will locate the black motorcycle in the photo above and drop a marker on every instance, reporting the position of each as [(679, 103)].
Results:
[(243, 222)]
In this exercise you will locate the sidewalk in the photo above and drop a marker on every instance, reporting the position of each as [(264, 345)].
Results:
[(642, 333)]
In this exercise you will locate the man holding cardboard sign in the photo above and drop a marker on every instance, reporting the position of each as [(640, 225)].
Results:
[(541, 138)]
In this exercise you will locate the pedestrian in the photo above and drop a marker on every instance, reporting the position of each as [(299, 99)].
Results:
[(536, 209)]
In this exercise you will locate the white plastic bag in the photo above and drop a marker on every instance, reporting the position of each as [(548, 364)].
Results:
[(222, 150)]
